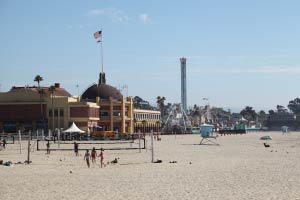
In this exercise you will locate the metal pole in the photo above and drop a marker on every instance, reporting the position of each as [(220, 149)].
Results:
[(139, 134), (101, 52), (52, 113), (152, 147), (20, 142), (58, 138), (28, 149)]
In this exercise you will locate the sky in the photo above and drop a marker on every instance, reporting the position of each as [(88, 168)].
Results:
[(239, 53)]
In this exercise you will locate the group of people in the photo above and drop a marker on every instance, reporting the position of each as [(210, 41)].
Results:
[(93, 155), (87, 155)]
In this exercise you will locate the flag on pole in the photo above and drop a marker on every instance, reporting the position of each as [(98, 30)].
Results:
[(97, 34)]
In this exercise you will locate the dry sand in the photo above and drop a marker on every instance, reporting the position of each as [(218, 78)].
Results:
[(239, 168)]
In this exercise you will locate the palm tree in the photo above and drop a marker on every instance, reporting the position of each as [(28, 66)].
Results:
[(161, 104), (38, 79), (144, 122), (51, 90)]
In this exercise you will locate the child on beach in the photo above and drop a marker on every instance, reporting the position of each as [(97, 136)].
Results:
[(93, 155), (87, 158), (101, 155)]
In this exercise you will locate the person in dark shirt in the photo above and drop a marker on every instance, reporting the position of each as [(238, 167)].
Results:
[(4, 143), (101, 155), (48, 147), (76, 148)]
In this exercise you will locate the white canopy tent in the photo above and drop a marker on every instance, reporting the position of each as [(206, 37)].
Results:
[(73, 132), (73, 129), (243, 119)]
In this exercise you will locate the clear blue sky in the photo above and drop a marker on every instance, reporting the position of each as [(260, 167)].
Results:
[(238, 52)]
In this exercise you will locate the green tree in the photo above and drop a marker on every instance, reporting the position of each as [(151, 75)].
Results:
[(271, 112), (248, 113), (281, 109), (161, 105), (137, 102), (262, 116), (294, 106)]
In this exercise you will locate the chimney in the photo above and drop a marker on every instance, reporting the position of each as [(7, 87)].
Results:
[(56, 85)]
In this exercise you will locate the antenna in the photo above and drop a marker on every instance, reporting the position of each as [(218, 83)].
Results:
[(124, 90)]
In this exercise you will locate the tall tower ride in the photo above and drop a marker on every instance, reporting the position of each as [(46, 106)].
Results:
[(183, 83)]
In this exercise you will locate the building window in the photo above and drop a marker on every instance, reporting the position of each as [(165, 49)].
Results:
[(55, 112), (61, 112), (104, 113), (117, 114)]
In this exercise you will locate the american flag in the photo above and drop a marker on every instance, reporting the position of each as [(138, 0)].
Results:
[(98, 34)]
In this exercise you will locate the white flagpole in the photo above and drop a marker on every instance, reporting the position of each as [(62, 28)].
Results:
[(101, 41)]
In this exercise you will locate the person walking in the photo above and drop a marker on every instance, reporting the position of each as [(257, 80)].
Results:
[(87, 158), (101, 155), (48, 147), (93, 155)]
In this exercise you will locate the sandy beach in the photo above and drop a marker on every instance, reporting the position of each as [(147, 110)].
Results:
[(239, 168)]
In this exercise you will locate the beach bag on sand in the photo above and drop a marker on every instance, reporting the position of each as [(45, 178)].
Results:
[(8, 163), (266, 137)]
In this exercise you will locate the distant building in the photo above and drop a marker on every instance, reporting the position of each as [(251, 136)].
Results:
[(23, 108), (116, 111), (101, 105), (146, 120)]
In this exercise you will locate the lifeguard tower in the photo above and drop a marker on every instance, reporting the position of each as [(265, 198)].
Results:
[(207, 134), (285, 129)]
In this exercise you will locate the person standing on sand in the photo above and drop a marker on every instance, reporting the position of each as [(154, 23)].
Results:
[(48, 147), (101, 155), (87, 158), (93, 155), (76, 148), (4, 143)]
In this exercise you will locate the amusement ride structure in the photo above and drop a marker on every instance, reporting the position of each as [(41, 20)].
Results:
[(178, 120)]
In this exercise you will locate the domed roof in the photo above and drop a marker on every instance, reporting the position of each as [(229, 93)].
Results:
[(103, 91)]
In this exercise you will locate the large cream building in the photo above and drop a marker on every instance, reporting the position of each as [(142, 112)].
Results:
[(101, 105), (26, 108)]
